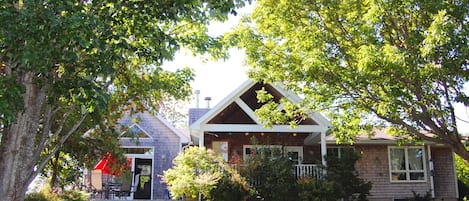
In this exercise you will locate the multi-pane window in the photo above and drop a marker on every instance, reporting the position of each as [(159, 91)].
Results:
[(338, 152), (135, 131), (294, 153), (407, 163)]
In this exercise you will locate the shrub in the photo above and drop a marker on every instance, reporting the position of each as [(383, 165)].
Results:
[(271, 174), (45, 194), (418, 197), (314, 190), (74, 195), (200, 171), (347, 184), (231, 187)]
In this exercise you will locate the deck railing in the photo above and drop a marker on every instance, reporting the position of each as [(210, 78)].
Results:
[(309, 171), (303, 171)]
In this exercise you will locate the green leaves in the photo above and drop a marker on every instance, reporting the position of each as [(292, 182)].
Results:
[(197, 170), (94, 60), (365, 63), (10, 93)]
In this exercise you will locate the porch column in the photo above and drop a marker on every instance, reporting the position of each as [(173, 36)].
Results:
[(201, 138), (323, 148)]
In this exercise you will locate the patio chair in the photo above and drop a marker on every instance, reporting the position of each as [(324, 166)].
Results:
[(124, 190), (97, 181)]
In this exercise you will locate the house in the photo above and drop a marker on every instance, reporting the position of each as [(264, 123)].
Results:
[(395, 171), (150, 144)]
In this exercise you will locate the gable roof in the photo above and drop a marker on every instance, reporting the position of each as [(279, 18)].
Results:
[(235, 99), (184, 138), (147, 116), (135, 131)]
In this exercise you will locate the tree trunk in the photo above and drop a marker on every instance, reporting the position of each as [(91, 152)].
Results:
[(17, 147), (461, 151)]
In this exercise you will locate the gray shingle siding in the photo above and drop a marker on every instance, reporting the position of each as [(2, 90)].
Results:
[(196, 113), (165, 142)]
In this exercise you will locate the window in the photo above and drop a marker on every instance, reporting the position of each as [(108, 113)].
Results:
[(407, 163), (135, 131), (294, 153), (338, 151), (138, 150)]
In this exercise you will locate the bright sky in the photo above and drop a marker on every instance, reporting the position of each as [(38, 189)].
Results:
[(215, 79)]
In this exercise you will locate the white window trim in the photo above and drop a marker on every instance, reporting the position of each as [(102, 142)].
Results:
[(298, 149), (424, 161), (145, 156), (139, 127)]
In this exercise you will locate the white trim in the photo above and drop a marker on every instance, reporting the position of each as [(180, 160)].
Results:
[(298, 149), (152, 178), (407, 171), (247, 110), (139, 138), (143, 156), (200, 126), (260, 128), (146, 156), (431, 170), (260, 146), (323, 148), (222, 104)]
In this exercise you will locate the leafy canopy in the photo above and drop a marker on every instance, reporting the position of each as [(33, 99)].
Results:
[(366, 63), (68, 67)]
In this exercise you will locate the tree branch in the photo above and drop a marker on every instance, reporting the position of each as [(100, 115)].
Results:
[(57, 147)]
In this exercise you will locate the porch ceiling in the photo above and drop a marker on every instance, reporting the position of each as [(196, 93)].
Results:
[(260, 128)]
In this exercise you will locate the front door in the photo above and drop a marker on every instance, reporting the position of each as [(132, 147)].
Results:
[(142, 178)]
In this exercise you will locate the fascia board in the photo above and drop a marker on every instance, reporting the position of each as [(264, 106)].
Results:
[(222, 105)]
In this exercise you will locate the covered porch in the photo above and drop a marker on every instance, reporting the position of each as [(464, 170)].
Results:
[(233, 130)]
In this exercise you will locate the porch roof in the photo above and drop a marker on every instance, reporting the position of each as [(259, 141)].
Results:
[(377, 136), (237, 104)]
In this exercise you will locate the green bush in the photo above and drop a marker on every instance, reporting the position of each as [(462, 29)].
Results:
[(44, 195), (347, 185), (418, 197), (270, 172), (231, 188), (200, 171), (67, 195), (74, 195), (314, 190)]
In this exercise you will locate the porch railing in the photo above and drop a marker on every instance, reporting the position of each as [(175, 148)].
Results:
[(302, 171), (309, 171)]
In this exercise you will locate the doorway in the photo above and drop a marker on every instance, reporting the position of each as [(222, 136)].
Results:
[(142, 178)]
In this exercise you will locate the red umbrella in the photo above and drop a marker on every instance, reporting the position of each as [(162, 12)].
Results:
[(110, 165)]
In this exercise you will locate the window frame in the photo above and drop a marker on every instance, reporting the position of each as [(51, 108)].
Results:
[(122, 135), (407, 170), (286, 149), (340, 150)]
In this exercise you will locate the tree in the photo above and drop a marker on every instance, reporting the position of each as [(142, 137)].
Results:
[(64, 64), (175, 111), (399, 64), (346, 181), (200, 172)]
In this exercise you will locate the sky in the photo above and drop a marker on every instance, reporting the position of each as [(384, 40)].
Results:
[(216, 79)]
